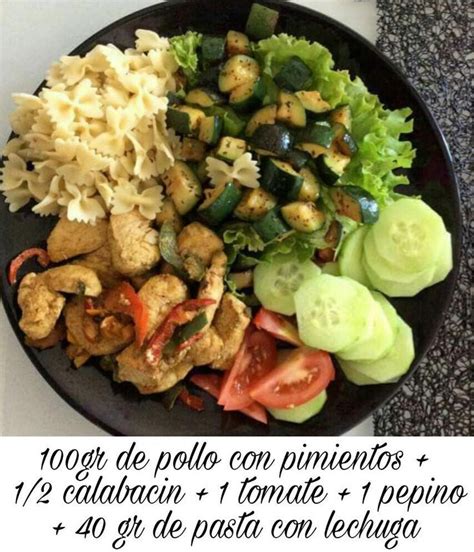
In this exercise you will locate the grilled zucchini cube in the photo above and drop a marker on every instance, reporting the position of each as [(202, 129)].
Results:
[(281, 179), (271, 225), (294, 75), (343, 115), (247, 96), (229, 149), (238, 70), (331, 166), (193, 150), (204, 97), (169, 214), (210, 129), (318, 132), (303, 216), (344, 141), (255, 204), (264, 116), (355, 203), (220, 203), (261, 22), (312, 101), (183, 186), (290, 110), (237, 43), (311, 187), (212, 49), (275, 140), (184, 119)]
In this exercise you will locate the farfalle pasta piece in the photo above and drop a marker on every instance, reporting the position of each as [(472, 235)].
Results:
[(15, 174), (81, 204), (49, 204), (23, 118), (149, 40), (17, 198), (127, 197), (244, 170), (144, 166)]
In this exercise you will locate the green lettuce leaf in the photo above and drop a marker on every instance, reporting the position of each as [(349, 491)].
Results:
[(301, 245), (184, 48), (376, 129)]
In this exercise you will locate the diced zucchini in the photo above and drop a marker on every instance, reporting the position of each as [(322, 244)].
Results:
[(212, 49), (355, 203), (184, 119), (331, 166), (312, 101), (232, 124), (175, 98), (290, 110), (344, 141), (209, 76), (319, 133), (294, 75), (264, 116), (183, 186), (274, 140), (254, 204), (297, 159), (229, 149), (303, 216), (204, 97), (279, 178), (220, 203), (334, 234), (238, 70), (313, 149), (247, 96), (261, 22), (311, 187), (210, 129), (169, 214), (342, 115), (271, 225), (237, 43), (241, 280), (193, 150), (201, 171)]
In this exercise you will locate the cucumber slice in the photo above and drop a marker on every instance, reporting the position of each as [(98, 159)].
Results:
[(379, 338), (391, 366), (331, 268), (350, 257), (399, 289), (354, 376), (409, 234), (445, 261), (276, 282), (384, 271), (299, 414), (332, 312)]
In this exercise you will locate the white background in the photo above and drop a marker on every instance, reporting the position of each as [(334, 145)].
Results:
[(33, 34), (443, 527)]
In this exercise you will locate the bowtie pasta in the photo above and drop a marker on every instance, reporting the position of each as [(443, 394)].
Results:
[(94, 140)]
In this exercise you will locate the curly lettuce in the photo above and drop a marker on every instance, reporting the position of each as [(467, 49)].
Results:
[(185, 50), (376, 129)]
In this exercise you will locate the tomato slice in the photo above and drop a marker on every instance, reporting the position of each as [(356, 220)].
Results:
[(255, 358), (278, 326), (301, 375), (193, 401), (212, 384)]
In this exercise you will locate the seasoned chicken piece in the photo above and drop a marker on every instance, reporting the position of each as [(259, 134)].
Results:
[(208, 348), (133, 243), (40, 306), (150, 379), (197, 244), (160, 294), (57, 335), (73, 279), (100, 261), (212, 285), (93, 337), (231, 321), (71, 238)]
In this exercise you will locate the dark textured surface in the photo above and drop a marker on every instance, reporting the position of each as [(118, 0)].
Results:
[(119, 408), (430, 40)]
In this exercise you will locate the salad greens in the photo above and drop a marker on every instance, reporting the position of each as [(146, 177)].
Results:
[(185, 49), (376, 129)]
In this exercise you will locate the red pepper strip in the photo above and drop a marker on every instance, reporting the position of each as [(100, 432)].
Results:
[(179, 315), (190, 341), (15, 265), (193, 401), (124, 299)]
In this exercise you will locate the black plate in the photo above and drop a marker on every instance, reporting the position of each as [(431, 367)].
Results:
[(119, 409)]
